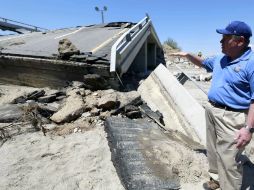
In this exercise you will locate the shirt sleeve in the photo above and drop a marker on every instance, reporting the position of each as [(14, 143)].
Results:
[(208, 63)]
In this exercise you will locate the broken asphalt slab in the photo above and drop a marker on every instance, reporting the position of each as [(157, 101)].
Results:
[(10, 113), (133, 157)]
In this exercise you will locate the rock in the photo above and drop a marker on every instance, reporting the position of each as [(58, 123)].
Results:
[(77, 84), (66, 49), (72, 91), (130, 108), (82, 92), (79, 58), (55, 105), (47, 99), (88, 92), (169, 62), (60, 97), (72, 109), (90, 102), (51, 96), (127, 98), (10, 113), (46, 110), (132, 112), (57, 93), (86, 114), (104, 115), (95, 82), (197, 78), (45, 120), (204, 77), (19, 100), (108, 102), (75, 130), (35, 95), (95, 112), (30, 102)]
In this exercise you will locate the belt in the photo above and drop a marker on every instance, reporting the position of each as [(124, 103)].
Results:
[(221, 106)]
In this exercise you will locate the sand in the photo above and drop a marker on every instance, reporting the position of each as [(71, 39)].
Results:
[(75, 161)]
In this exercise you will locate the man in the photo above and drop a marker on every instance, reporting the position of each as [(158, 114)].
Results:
[(230, 112), (200, 54)]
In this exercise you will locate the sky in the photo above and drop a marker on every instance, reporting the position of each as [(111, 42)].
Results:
[(191, 23)]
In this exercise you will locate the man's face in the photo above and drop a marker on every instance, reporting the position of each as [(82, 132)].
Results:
[(228, 44)]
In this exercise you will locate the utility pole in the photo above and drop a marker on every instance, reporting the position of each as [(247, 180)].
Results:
[(102, 14)]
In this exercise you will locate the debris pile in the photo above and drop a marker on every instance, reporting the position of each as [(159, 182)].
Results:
[(82, 108), (76, 105)]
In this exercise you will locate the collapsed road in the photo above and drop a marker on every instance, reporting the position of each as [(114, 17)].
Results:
[(84, 132), (42, 59)]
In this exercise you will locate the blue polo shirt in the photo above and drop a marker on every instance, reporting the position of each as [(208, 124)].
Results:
[(233, 81)]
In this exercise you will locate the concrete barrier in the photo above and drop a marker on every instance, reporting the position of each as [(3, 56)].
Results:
[(162, 92)]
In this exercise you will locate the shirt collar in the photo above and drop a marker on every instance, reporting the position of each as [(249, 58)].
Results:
[(244, 57)]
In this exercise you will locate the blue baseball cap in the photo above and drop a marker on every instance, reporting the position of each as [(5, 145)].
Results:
[(237, 28)]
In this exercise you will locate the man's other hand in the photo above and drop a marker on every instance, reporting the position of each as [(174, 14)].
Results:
[(243, 137)]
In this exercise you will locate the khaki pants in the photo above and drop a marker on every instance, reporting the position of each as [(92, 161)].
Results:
[(222, 153)]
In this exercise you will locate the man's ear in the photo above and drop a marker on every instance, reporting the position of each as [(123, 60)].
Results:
[(241, 41)]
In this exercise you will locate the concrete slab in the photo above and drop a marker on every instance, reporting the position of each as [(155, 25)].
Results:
[(180, 110)]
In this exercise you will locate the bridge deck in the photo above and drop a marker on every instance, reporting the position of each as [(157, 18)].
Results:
[(97, 39)]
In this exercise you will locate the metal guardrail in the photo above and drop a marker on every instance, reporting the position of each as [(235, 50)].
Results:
[(15, 25), (127, 46)]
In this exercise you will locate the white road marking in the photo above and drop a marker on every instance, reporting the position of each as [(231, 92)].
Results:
[(108, 41), (69, 33)]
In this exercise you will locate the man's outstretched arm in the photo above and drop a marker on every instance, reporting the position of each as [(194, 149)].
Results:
[(192, 58)]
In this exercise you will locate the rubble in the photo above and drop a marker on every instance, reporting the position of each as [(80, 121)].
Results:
[(79, 111), (67, 105), (108, 101), (95, 82), (71, 110), (66, 49)]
